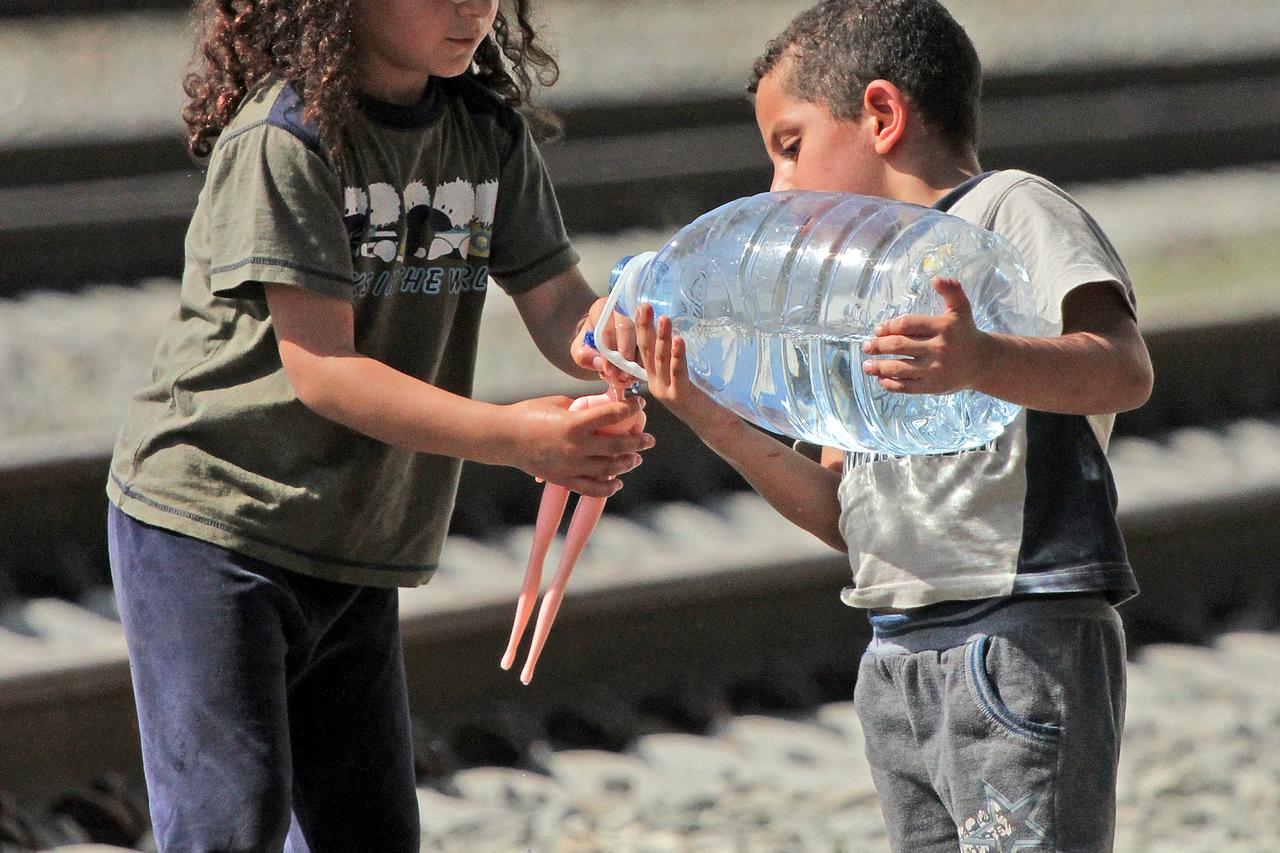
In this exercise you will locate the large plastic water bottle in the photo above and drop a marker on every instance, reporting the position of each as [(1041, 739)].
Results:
[(774, 295)]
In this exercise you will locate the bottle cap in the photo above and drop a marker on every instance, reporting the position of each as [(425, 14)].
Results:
[(617, 269)]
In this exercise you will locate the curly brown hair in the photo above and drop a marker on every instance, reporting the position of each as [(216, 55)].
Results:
[(312, 44)]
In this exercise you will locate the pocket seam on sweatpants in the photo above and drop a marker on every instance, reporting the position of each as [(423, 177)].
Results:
[(992, 707)]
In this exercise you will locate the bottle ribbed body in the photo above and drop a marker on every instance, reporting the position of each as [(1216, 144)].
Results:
[(774, 295)]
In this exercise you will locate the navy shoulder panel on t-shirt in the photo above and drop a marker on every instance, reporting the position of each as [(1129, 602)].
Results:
[(286, 113)]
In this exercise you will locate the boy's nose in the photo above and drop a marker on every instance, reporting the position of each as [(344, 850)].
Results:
[(781, 183)]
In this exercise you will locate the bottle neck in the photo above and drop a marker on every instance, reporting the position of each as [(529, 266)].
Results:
[(626, 280), (624, 297)]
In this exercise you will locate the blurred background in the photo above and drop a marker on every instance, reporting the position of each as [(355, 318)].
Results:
[(696, 693)]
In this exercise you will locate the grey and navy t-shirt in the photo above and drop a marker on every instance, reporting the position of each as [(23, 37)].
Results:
[(1035, 510), (425, 205)]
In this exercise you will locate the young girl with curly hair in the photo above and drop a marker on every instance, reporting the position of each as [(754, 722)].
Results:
[(293, 458)]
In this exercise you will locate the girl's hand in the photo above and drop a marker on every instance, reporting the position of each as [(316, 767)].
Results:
[(619, 335), (946, 352), (663, 355), (571, 449)]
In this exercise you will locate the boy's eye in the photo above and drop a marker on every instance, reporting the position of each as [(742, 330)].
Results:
[(791, 148)]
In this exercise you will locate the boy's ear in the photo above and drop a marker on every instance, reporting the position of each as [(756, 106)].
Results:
[(886, 110)]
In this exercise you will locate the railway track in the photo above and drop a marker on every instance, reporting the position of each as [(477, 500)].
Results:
[(701, 620), (55, 546), (118, 210), (719, 603)]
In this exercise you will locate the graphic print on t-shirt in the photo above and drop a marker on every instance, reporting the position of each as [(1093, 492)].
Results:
[(452, 220)]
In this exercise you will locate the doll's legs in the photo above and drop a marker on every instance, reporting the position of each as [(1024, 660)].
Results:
[(550, 511), (262, 692), (585, 516)]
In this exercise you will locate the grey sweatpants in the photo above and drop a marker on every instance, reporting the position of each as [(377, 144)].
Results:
[(996, 727)]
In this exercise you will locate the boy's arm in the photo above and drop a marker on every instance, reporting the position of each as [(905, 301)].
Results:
[(803, 491), (315, 336), (1099, 364)]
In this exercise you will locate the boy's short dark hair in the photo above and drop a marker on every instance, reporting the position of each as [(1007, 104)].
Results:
[(839, 46)]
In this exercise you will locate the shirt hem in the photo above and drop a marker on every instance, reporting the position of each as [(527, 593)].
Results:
[(191, 524), (1115, 580), (225, 279)]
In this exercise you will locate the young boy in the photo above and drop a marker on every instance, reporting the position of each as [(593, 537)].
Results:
[(992, 693)]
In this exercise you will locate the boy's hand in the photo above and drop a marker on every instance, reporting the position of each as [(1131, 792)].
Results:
[(619, 335), (946, 352), (663, 355), (572, 449)]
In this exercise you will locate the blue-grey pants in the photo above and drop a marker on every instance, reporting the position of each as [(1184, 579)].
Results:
[(996, 726), (271, 705)]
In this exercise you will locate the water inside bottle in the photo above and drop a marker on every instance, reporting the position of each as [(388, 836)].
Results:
[(765, 374), (809, 384), (776, 294)]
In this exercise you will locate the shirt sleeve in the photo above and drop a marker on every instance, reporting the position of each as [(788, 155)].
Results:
[(1062, 245), (275, 216), (529, 243)]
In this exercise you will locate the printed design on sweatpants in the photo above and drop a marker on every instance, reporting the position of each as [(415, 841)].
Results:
[(453, 220), (1003, 826)]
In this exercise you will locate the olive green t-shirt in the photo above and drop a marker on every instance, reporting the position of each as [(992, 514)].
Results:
[(424, 204)]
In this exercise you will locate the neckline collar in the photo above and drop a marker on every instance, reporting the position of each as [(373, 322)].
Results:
[(959, 191), (402, 116)]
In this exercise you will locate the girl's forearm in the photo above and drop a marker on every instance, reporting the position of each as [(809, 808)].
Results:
[(379, 401), (555, 313), (801, 490)]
